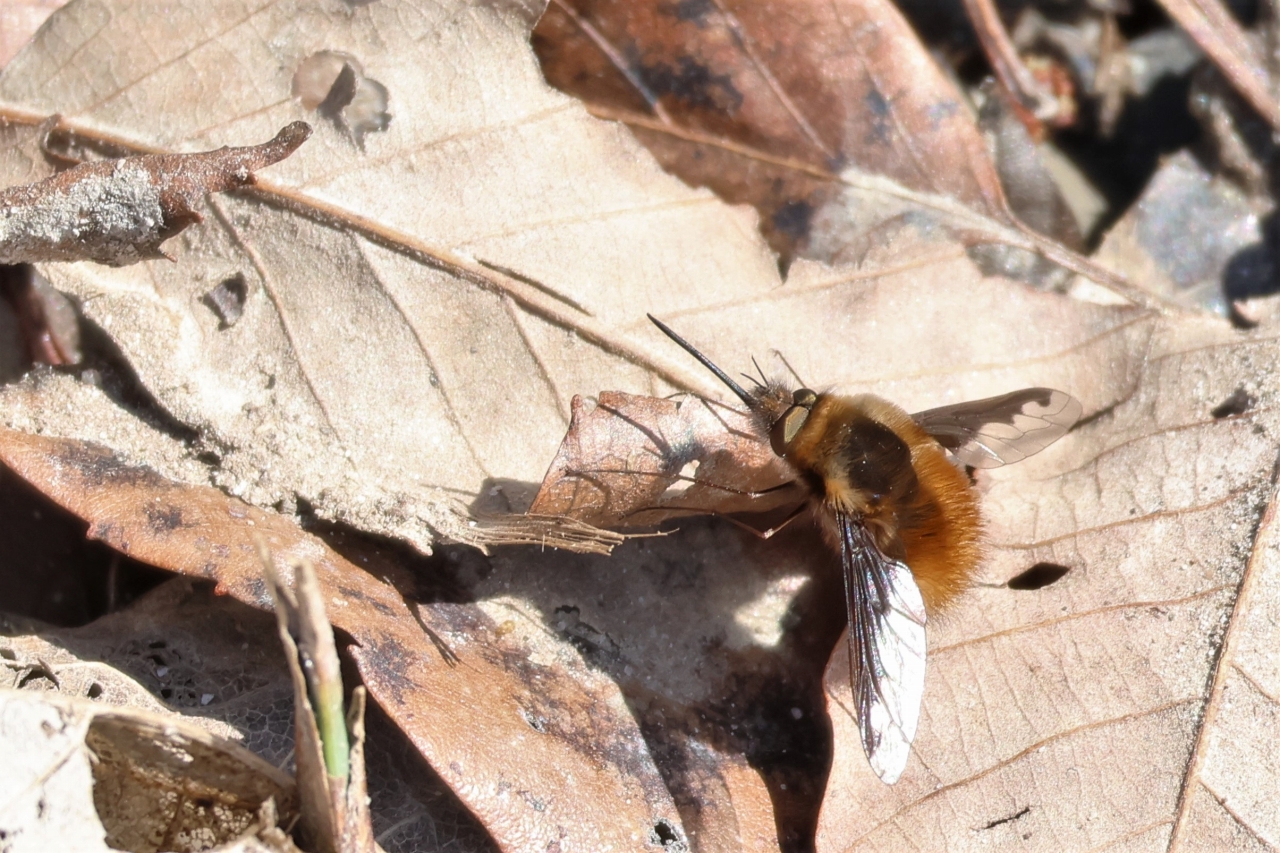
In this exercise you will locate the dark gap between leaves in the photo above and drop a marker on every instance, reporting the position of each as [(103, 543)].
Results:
[(51, 571)]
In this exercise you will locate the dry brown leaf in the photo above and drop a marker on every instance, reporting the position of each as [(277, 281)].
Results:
[(183, 648), (460, 246), (584, 769), (119, 212), (1152, 506), (623, 460), (690, 624), (1103, 677), (767, 106)]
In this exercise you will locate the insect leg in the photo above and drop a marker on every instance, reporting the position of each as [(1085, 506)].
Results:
[(759, 534), (694, 480)]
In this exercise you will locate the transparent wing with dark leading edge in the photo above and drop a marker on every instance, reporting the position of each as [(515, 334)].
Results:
[(886, 647), (1000, 430)]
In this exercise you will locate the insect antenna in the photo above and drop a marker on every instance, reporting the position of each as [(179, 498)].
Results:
[(792, 370), (707, 363)]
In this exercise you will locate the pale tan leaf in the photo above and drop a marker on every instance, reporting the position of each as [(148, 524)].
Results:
[(454, 266), (1099, 684), (1233, 780), (19, 21), (85, 776)]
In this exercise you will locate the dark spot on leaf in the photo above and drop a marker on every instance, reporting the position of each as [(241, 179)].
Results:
[(391, 661), (111, 534), (1038, 576), (227, 300), (880, 130), (258, 593), (94, 691), (99, 467), (693, 83), (534, 721), (694, 11), (351, 594), (1020, 814), (164, 519), (1238, 403)]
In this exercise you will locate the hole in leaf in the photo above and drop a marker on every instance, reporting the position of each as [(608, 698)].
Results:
[(535, 722), (664, 833), (334, 85), (1238, 403), (38, 673), (1038, 576), (227, 300)]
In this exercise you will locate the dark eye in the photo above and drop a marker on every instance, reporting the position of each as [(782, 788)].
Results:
[(804, 397)]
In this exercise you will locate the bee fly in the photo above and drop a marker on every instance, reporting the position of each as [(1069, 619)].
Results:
[(902, 516)]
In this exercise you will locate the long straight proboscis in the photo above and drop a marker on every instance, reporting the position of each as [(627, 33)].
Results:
[(706, 362)]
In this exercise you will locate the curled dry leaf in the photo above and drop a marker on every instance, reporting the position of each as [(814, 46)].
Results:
[(84, 776), (625, 458), (584, 768), (119, 211)]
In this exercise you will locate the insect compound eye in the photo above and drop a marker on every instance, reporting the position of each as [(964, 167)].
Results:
[(804, 397), (787, 427)]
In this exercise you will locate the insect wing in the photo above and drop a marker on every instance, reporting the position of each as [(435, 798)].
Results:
[(886, 648), (1000, 430)]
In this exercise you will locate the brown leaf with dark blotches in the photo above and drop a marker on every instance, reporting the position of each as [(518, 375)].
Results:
[(767, 103), (584, 771), (118, 212)]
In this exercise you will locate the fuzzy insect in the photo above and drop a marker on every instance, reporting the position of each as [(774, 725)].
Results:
[(889, 498)]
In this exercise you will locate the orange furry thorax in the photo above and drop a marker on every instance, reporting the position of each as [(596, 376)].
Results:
[(865, 455)]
